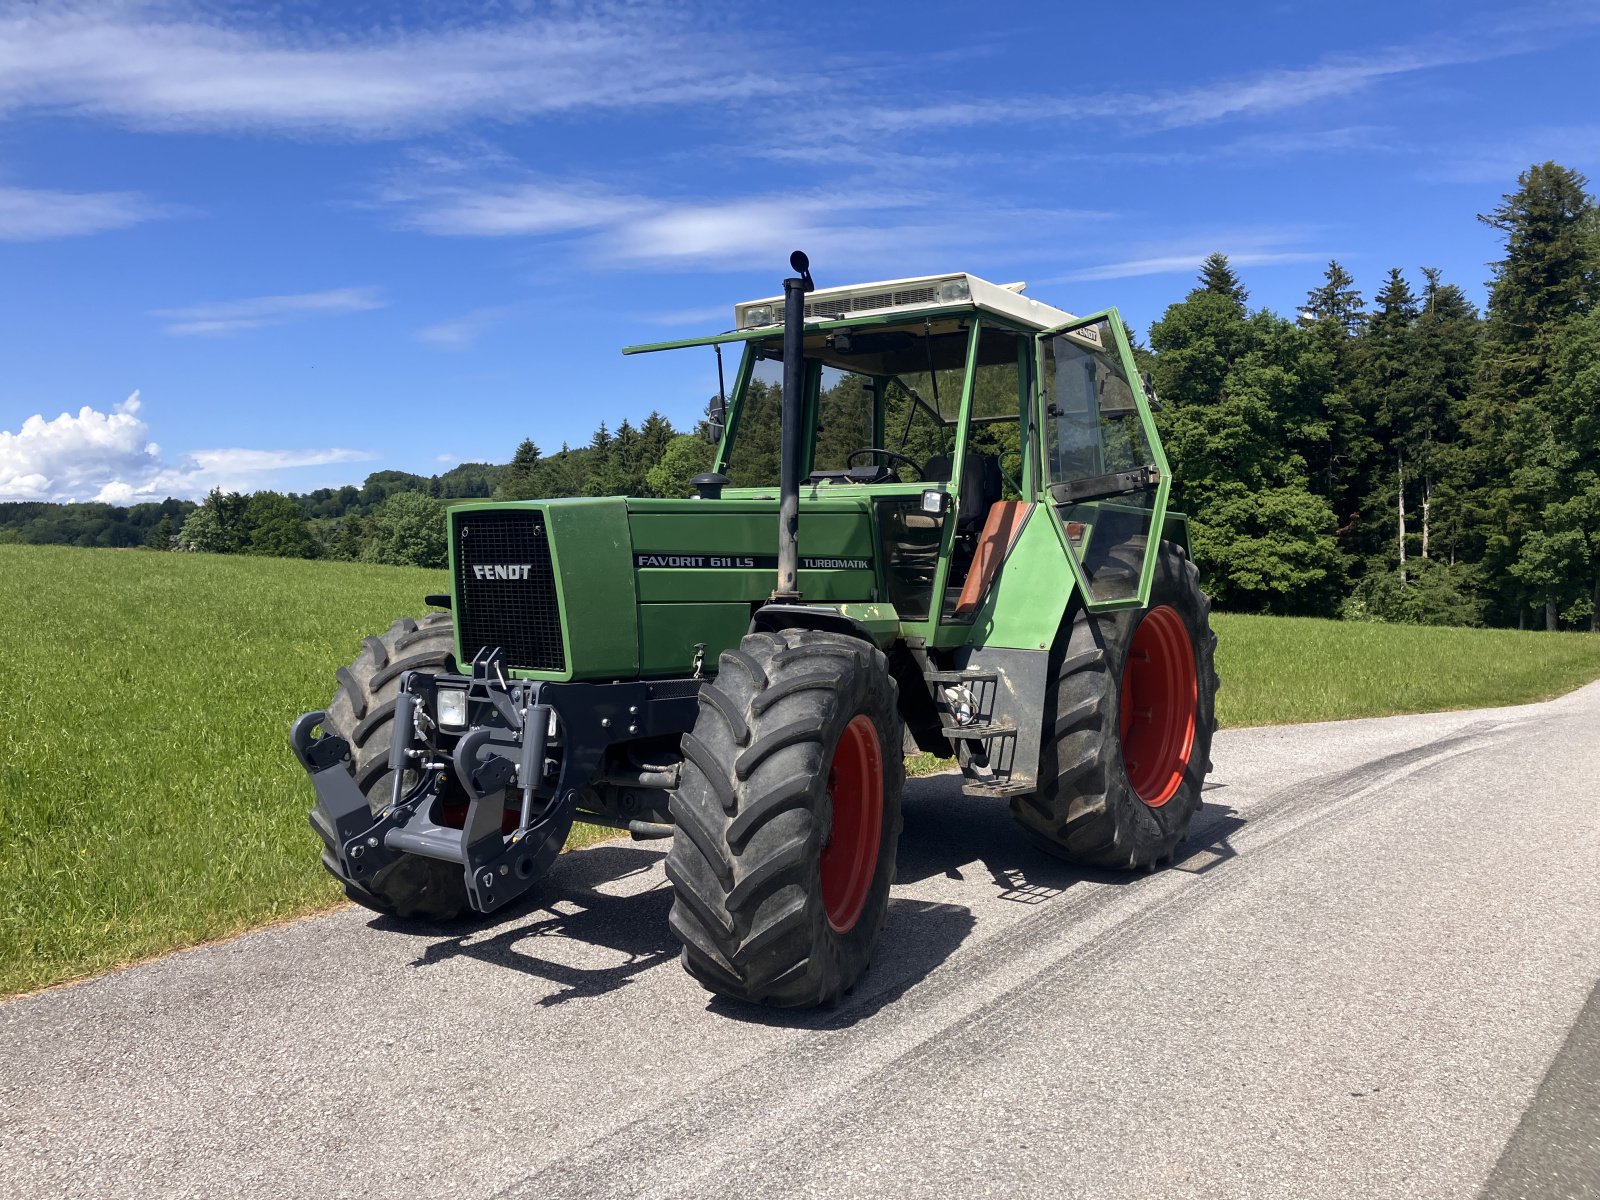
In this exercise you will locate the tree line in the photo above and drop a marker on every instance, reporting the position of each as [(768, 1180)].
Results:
[(1415, 460)]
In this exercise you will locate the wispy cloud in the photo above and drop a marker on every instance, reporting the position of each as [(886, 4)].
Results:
[(1259, 94), (110, 457), (463, 332), (36, 214), (1503, 159), (161, 66), (868, 221), (1244, 248), (235, 316)]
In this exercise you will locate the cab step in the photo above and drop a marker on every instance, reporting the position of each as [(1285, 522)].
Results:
[(981, 733), (971, 676), (997, 789)]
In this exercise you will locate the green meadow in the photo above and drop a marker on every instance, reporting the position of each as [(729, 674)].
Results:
[(148, 798)]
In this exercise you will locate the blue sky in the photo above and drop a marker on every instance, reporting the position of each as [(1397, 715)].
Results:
[(286, 246)]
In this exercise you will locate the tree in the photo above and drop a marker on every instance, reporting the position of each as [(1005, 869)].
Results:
[(163, 535), (1337, 299), (1546, 282), (407, 529), (277, 527), (685, 457), (1240, 396), (1218, 277), (1390, 397), (522, 479), (218, 526)]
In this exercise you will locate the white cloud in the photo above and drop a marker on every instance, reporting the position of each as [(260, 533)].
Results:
[(463, 332), (1244, 248), (75, 454), (867, 223), (159, 66), (1175, 264), (1260, 94), (109, 457), (35, 214), (234, 316)]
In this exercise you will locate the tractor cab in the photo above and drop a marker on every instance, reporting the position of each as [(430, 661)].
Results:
[(957, 406)]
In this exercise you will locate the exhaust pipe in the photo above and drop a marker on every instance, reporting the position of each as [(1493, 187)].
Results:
[(794, 383)]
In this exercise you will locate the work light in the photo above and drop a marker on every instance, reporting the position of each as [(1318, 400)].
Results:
[(452, 704)]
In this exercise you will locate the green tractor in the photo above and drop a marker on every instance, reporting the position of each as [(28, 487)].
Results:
[(937, 519)]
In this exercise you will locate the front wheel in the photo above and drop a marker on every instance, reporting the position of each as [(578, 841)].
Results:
[(1128, 723), (787, 816)]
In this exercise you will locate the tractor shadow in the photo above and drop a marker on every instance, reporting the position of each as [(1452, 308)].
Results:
[(576, 931), (953, 839), (599, 919), (948, 833)]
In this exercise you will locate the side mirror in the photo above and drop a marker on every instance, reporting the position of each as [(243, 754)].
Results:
[(1150, 391), (716, 419)]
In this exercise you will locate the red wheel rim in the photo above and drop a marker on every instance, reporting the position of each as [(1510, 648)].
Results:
[(1160, 692), (850, 858)]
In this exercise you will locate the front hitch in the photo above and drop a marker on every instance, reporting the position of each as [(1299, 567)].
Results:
[(483, 763)]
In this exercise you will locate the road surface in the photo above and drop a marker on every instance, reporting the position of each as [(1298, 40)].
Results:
[(1372, 974)]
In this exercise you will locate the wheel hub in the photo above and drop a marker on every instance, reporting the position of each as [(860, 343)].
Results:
[(1160, 693), (850, 857)]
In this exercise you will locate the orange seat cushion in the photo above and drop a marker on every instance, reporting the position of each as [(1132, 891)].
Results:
[(1000, 531)]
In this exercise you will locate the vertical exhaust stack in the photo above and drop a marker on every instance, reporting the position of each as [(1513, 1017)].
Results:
[(794, 382)]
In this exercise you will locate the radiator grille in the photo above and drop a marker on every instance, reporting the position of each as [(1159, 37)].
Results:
[(507, 588)]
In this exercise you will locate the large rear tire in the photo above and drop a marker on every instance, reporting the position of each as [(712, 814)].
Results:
[(362, 712), (1128, 721), (788, 816)]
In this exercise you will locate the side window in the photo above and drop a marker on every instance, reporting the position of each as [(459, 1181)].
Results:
[(755, 458), (998, 396), (1092, 424)]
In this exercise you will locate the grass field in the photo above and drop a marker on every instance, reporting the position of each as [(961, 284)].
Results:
[(148, 798)]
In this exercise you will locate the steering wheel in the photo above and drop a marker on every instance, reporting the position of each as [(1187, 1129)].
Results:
[(890, 454)]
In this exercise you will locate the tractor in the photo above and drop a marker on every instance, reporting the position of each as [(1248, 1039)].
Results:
[(936, 520)]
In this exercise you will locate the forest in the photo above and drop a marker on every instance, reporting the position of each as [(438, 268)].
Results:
[(1402, 458)]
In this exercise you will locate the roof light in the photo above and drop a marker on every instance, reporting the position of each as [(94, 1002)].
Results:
[(954, 291), (758, 315)]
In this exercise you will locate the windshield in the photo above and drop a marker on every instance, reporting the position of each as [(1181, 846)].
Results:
[(877, 412)]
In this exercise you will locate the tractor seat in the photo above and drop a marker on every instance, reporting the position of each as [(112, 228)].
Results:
[(981, 485)]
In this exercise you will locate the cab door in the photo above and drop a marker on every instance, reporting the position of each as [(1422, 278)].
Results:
[(1104, 473)]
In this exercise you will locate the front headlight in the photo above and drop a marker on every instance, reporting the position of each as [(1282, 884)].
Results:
[(452, 703)]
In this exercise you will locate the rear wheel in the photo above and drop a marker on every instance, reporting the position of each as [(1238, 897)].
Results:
[(787, 818), (362, 712), (1128, 725)]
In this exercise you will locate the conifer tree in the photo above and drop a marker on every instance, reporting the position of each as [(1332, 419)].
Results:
[(1337, 300), (1546, 281), (1218, 277)]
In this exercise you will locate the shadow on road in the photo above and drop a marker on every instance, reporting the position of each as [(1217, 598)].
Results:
[(575, 905), (946, 830), (586, 936)]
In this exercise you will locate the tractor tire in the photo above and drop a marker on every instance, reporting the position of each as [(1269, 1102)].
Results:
[(1128, 721), (362, 712), (787, 819)]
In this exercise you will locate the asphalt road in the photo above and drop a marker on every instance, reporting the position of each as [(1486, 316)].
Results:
[(1372, 974)]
